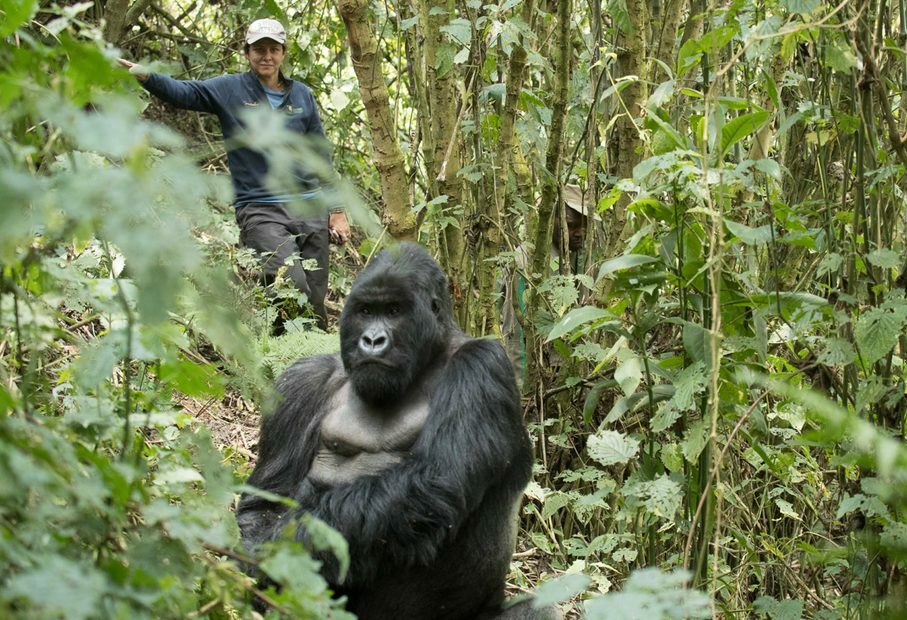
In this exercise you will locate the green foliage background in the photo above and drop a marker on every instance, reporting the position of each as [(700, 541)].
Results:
[(721, 380)]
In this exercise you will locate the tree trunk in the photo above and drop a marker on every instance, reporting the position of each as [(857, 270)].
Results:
[(115, 20), (505, 184), (445, 159), (397, 215), (415, 70), (632, 62), (550, 183), (665, 31), (442, 102)]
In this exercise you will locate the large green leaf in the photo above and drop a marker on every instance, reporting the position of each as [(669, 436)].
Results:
[(559, 590), (575, 318), (649, 593), (626, 261), (612, 447), (739, 128), (60, 587), (876, 333), (696, 439), (14, 13), (663, 497), (778, 610), (748, 234), (800, 6), (885, 258)]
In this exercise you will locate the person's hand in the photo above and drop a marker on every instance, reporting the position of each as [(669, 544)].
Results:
[(140, 72), (339, 228)]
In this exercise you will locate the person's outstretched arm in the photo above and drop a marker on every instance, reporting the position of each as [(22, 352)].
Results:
[(197, 95)]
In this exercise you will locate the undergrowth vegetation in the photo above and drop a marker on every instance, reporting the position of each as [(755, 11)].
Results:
[(716, 386)]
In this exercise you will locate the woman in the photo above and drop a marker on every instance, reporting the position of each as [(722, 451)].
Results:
[(266, 225)]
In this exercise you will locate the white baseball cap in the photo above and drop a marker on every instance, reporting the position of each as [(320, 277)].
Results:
[(579, 202), (266, 29)]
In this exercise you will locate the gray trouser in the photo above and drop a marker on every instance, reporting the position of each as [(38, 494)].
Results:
[(275, 234)]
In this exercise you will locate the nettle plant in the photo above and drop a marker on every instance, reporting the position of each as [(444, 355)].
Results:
[(114, 502), (693, 458)]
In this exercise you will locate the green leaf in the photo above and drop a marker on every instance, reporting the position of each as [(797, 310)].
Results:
[(663, 497), (894, 536), (839, 56), (611, 447), (274, 9), (830, 263), (687, 384), (697, 342), (667, 138), (849, 504), (749, 235), (7, 402), (178, 475), (696, 439), (671, 457), (97, 361), (837, 352), (787, 509), (778, 610), (495, 91), (293, 567), (444, 60), (885, 258), (688, 56), (666, 415), (661, 96), (626, 261), (14, 14), (326, 538), (649, 593), (629, 372), (715, 39), (60, 587), (573, 319), (770, 168), (460, 30), (876, 333), (559, 590), (553, 503), (740, 127), (800, 6), (193, 379)]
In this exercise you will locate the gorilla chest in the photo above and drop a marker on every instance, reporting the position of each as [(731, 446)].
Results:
[(358, 439)]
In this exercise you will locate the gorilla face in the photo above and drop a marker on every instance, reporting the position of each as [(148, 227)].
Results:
[(395, 323)]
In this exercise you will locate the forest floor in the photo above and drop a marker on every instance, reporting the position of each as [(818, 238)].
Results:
[(232, 420)]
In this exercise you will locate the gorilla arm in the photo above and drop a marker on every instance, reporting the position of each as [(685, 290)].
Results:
[(287, 443), (472, 441)]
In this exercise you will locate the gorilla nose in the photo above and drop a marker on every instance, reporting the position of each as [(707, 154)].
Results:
[(374, 341)]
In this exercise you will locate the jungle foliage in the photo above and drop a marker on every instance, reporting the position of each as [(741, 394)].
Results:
[(715, 382)]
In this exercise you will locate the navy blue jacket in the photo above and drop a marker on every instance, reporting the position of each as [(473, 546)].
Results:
[(226, 96)]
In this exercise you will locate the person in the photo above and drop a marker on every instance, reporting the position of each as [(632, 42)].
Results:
[(267, 224), (514, 282)]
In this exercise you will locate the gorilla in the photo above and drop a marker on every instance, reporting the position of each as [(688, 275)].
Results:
[(410, 443)]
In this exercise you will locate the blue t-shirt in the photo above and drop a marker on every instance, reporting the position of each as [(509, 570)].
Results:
[(226, 96), (274, 96)]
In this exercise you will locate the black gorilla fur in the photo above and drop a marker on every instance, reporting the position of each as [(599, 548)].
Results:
[(410, 443)]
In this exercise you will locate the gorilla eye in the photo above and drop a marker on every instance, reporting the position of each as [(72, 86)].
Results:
[(365, 310), (394, 310)]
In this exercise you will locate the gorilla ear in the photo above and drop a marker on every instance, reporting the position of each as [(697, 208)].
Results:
[(436, 306)]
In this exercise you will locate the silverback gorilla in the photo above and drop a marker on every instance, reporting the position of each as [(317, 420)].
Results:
[(410, 443)]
